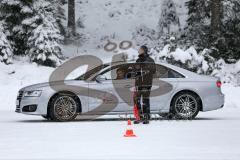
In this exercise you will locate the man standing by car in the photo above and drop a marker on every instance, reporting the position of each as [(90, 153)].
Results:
[(145, 69)]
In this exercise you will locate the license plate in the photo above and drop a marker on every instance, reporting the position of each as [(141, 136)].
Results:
[(17, 102)]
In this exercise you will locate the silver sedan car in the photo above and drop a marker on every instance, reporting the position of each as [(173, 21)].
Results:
[(108, 89)]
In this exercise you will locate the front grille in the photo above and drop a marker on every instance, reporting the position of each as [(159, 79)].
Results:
[(19, 98), (18, 109), (20, 94)]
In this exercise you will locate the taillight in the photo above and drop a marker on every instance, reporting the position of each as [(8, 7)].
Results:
[(219, 84)]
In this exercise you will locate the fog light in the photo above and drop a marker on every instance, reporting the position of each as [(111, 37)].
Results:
[(29, 108)]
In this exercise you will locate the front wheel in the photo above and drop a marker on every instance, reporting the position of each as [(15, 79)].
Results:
[(185, 106), (64, 108), (45, 117)]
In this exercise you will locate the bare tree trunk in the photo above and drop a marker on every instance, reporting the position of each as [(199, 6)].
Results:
[(71, 18), (216, 17)]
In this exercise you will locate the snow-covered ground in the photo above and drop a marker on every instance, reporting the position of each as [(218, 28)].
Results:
[(213, 135)]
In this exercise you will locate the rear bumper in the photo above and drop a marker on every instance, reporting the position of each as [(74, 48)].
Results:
[(213, 102)]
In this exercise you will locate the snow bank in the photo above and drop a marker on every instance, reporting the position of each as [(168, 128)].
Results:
[(229, 73), (191, 60), (20, 74), (180, 55), (14, 77)]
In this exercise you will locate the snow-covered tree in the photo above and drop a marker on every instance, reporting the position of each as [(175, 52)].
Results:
[(189, 59), (229, 41), (72, 36), (5, 47), (215, 25), (146, 36), (44, 41), (198, 23), (216, 7), (71, 18), (59, 13), (27, 19), (15, 13), (169, 21)]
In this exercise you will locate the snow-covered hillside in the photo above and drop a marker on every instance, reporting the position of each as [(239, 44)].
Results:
[(21, 74), (116, 20)]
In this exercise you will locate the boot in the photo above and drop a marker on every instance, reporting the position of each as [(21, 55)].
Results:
[(136, 122), (139, 121), (146, 119)]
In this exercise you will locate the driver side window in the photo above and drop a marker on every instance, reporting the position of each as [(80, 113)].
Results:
[(119, 72), (110, 74), (164, 72)]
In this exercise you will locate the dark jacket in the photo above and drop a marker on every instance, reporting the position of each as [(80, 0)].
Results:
[(145, 69)]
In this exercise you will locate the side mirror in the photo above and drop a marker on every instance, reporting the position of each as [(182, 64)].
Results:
[(130, 75), (101, 78)]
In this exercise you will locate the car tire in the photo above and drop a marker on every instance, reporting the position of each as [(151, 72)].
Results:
[(64, 107), (168, 116), (185, 105), (45, 117)]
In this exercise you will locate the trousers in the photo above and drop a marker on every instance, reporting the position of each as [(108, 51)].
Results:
[(143, 100)]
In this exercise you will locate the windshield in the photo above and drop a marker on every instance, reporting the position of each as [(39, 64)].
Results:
[(88, 74)]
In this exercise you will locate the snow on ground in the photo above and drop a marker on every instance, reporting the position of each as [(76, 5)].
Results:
[(213, 135), (16, 76)]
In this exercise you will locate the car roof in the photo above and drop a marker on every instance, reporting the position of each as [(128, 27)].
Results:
[(182, 71)]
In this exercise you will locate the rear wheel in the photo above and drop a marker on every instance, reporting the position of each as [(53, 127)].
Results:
[(168, 116), (64, 107), (185, 105)]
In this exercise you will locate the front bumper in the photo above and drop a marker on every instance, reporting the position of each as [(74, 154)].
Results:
[(30, 105)]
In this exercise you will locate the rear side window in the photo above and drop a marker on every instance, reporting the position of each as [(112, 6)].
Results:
[(164, 72), (174, 74), (161, 72)]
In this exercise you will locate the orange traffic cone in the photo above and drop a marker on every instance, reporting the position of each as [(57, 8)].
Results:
[(129, 131)]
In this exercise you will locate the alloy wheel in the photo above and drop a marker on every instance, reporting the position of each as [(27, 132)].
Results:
[(65, 108), (186, 106)]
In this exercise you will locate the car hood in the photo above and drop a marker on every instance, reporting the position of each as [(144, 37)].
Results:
[(47, 84)]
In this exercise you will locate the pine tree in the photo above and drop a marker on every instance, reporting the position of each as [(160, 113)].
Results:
[(198, 23), (71, 18), (215, 24), (34, 28), (215, 36), (169, 20), (59, 14), (15, 13), (230, 31), (44, 41), (5, 47), (215, 16)]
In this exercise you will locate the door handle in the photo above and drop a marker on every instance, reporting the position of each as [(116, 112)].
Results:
[(128, 86)]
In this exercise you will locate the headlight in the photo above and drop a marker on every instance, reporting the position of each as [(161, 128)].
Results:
[(32, 93)]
